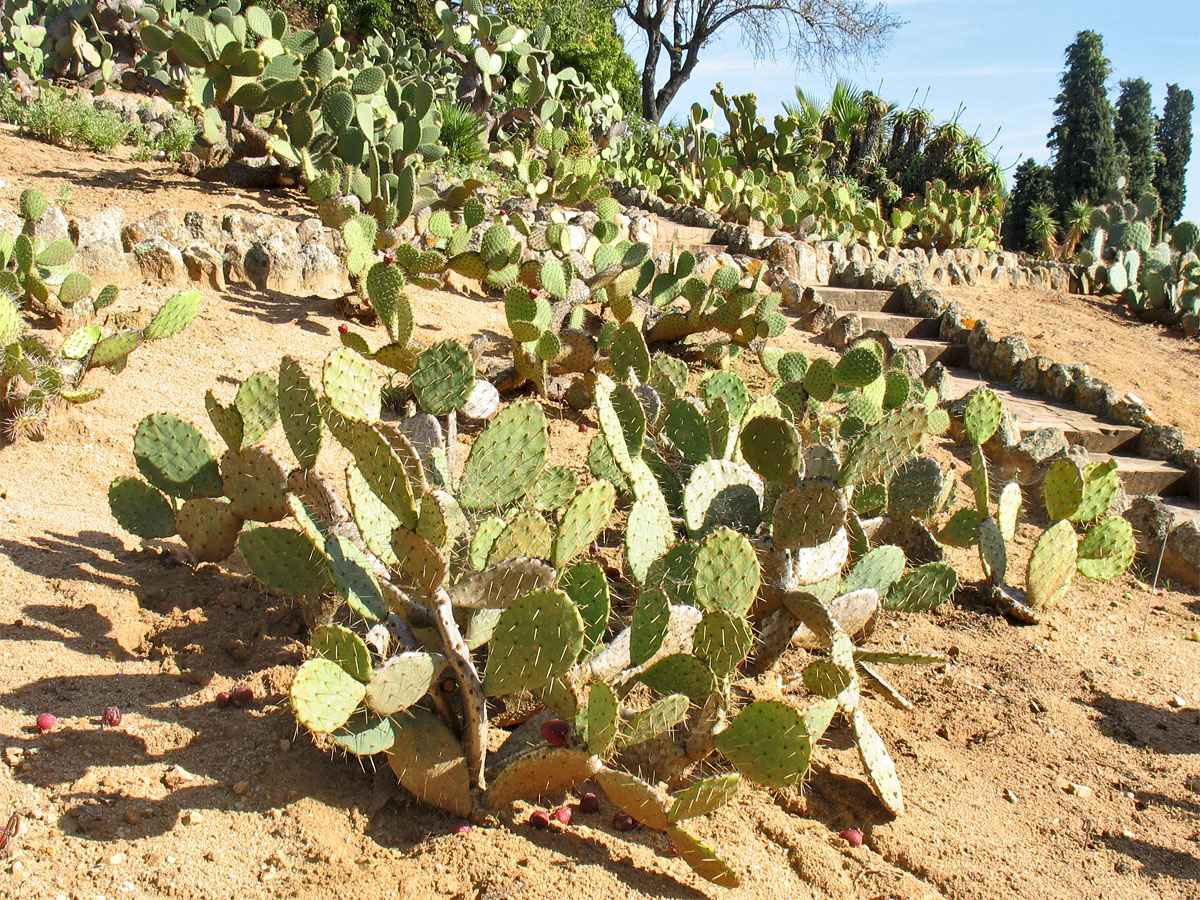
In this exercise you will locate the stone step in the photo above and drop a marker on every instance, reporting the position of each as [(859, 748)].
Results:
[(1146, 476), (858, 299), (1033, 412), (899, 326), (1183, 508), (946, 353), (673, 232)]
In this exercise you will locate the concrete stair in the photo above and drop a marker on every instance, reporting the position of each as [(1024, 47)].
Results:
[(685, 237), (1140, 475), (946, 353), (858, 300), (899, 326)]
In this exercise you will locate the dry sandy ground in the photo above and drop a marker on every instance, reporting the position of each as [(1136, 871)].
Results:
[(1044, 761), (1152, 361)]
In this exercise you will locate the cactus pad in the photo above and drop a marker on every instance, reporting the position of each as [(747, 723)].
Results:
[(140, 509), (680, 673), (497, 586), (1008, 510), (254, 482), (645, 803), (257, 400), (963, 528), (506, 459), (174, 316), (555, 488), (1107, 549), (727, 572), (732, 389), (444, 378), (809, 514), (648, 535), (722, 492), (982, 415), (857, 368), (344, 647), (422, 566), (1063, 489), (993, 555), (1101, 483), (324, 695), (527, 534), (702, 859), (1052, 565), (209, 527), (915, 488), (769, 743), (924, 588), (603, 712), (771, 447), (881, 771), (886, 445), (284, 560), (812, 565), (354, 579), (365, 734), (682, 423), (654, 721), (540, 772), (878, 569), (582, 521), (174, 457), (648, 629), (429, 761), (352, 386), (722, 640), (536, 640), (401, 681), (587, 586)]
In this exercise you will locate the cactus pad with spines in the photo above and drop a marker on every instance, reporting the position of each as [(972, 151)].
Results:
[(809, 514), (771, 447), (401, 681), (924, 588), (982, 415), (344, 647), (421, 565), (915, 488), (141, 509), (642, 801), (993, 554), (582, 521), (701, 858), (444, 377), (506, 459), (658, 718), (1063, 489), (174, 457), (539, 772), (648, 535), (1107, 549), (769, 743), (497, 586), (680, 673), (428, 760), (284, 560), (254, 483), (354, 579), (1008, 510), (536, 640), (682, 423), (352, 386), (1101, 484), (879, 569), (882, 448), (299, 412), (723, 640), (881, 770), (732, 389), (721, 492), (587, 586), (527, 534), (727, 572), (1052, 565), (857, 368), (324, 695)]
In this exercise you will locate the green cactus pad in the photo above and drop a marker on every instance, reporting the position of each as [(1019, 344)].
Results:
[(352, 386), (654, 721), (587, 586), (993, 554), (702, 859), (257, 400), (924, 588), (536, 640), (254, 482), (527, 534), (344, 647), (897, 387), (1008, 510), (77, 345), (881, 771), (429, 761), (771, 447), (603, 713), (1107, 549), (727, 572), (284, 560), (365, 734), (174, 316), (732, 389), (380, 464), (878, 569), (826, 678), (174, 457), (722, 640), (648, 629), (885, 446), (818, 380), (374, 520), (982, 415), (140, 509), (354, 579), (682, 423), (629, 353), (506, 459), (722, 492), (324, 695), (540, 772), (705, 796), (497, 586), (555, 488), (444, 377), (915, 488), (385, 289), (582, 521), (680, 673), (422, 566), (482, 540), (226, 419), (299, 412), (401, 681), (644, 802), (963, 528), (809, 514), (979, 480), (1101, 483), (769, 743), (674, 571), (648, 535), (857, 368), (1063, 489)]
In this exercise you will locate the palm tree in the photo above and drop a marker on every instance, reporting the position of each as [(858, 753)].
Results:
[(1042, 228)]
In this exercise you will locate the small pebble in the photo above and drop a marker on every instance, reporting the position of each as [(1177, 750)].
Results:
[(1079, 790), (1010, 796), (241, 787)]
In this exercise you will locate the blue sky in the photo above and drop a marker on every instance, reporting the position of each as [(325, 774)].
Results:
[(999, 59)]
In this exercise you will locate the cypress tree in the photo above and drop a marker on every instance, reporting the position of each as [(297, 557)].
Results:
[(1033, 186), (1175, 150), (1134, 134), (1085, 163)]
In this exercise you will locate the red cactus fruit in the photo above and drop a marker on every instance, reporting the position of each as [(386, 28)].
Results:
[(852, 836), (556, 732), (343, 328), (111, 717), (462, 826), (623, 821), (242, 695), (589, 804), (563, 815), (223, 698), (46, 722), (539, 819)]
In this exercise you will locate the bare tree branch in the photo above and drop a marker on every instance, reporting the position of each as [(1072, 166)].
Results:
[(814, 33)]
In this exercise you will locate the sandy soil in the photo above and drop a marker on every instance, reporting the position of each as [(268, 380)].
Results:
[(1152, 361), (1044, 761)]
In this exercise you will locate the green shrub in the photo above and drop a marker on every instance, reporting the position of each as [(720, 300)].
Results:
[(462, 133), (65, 121)]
